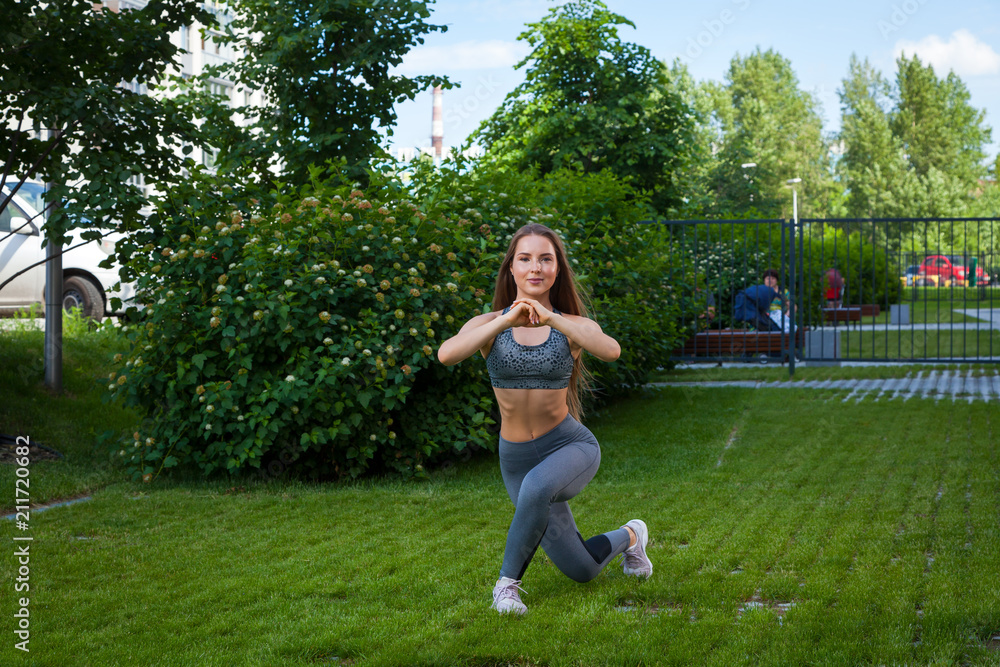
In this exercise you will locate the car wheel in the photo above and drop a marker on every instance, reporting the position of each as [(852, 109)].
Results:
[(81, 293)]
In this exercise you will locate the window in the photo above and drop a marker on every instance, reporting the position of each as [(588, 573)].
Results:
[(221, 89), (134, 86), (10, 212), (209, 157)]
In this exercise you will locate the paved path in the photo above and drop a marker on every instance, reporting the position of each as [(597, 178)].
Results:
[(954, 384)]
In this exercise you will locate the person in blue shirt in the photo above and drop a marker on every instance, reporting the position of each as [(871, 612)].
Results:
[(753, 304)]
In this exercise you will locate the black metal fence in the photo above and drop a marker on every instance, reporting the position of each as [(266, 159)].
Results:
[(876, 290)]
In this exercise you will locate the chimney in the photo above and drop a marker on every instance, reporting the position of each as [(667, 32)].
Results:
[(437, 126)]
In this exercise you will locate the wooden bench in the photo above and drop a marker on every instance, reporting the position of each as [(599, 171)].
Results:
[(851, 313), (848, 314), (736, 343), (870, 310)]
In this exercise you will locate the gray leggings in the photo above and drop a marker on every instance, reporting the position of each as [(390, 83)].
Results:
[(540, 476)]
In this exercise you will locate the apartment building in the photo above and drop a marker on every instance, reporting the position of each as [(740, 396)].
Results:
[(200, 48)]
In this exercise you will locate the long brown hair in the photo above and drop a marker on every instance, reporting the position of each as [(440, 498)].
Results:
[(564, 296)]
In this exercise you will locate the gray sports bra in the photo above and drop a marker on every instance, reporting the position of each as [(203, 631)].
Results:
[(547, 365)]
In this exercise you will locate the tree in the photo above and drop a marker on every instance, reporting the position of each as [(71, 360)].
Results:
[(912, 149), (766, 119), (74, 111), (324, 66), (942, 134), (591, 102), (874, 167)]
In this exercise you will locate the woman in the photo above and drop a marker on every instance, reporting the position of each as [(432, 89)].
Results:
[(532, 344)]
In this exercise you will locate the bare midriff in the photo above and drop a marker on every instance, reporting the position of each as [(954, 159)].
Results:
[(529, 413)]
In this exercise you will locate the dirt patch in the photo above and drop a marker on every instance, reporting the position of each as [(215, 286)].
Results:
[(36, 451), (629, 605), (777, 607)]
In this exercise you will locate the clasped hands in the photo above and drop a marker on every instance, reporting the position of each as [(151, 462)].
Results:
[(528, 313)]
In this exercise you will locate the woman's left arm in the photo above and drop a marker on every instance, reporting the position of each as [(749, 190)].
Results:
[(582, 332), (587, 334)]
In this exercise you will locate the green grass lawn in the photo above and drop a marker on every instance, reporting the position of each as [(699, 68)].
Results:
[(936, 312), (709, 372), (917, 344), (786, 529), (71, 422)]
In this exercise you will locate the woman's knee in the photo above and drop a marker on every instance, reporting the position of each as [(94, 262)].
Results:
[(581, 573)]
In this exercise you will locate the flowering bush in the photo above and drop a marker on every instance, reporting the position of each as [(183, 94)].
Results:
[(311, 327), (307, 328)]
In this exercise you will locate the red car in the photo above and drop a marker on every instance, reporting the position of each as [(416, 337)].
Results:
[(950, 270)]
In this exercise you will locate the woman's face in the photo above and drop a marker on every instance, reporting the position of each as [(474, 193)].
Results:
[(534, 267)]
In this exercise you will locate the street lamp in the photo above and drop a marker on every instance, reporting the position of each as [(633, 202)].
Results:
[(795, 199), (795, 226)]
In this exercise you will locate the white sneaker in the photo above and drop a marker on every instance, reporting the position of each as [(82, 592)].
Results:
[(506, 598), (637, 564)]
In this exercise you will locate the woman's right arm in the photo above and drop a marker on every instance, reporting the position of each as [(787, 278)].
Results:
[(477, 334)]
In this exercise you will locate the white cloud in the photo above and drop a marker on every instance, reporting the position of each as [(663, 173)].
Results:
[(490, 54), (963, 53)]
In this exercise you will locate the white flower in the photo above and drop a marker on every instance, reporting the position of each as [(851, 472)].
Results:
[(209, 408), (396, 239), (220, 289), (289, 282), (240, 418), (290, 378), (346, 361), (373, 438), (365, 248), (320, 281), (357, 274), (208, 427), (327, 341), (366, 352)]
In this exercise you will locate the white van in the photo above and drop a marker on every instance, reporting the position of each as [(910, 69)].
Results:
[(86, 285)]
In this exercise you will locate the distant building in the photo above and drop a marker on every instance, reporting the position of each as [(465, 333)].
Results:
[(408, 153), (200, 47)]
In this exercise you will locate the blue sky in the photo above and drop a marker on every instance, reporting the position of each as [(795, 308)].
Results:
[(480, 48)]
